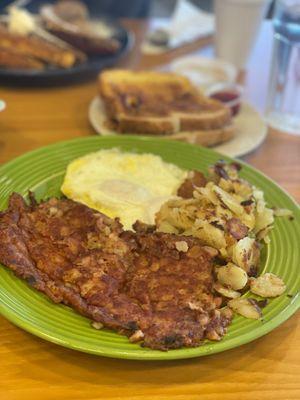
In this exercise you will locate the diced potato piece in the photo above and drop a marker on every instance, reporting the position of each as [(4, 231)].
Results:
[(283, 212), (182, 246), (137, 336), (223, 213), (266, 239), (245, 254), (267, 285), (233, 276), (209, 234), (166, 227), (246, 307), (208, 193), (211, 251), (223, 253), (226, 292), (242, 188), (97, 325), (263, 234), (228, 200), (258, 194), (248, 219), (178, 215), (226, 185), (264, 219), (233, 170)]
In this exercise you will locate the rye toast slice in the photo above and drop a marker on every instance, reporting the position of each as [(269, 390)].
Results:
[(208, 137), (138, 101)]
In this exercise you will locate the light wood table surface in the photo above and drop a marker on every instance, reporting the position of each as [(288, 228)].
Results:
[(31, 368)]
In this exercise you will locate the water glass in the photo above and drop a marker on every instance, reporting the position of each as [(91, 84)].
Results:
[(283, 102)]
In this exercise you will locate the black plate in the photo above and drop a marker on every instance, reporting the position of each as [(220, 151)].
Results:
[(57, 76)]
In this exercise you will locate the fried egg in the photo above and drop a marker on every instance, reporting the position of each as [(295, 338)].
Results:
[(122, 184)]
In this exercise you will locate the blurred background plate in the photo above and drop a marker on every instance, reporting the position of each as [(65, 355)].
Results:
[(42, 171), (57, 76), (251, 129)]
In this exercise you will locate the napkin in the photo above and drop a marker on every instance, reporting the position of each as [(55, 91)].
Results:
[(187, 23)]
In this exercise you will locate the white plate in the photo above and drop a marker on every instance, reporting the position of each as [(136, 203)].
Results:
[(251, 129)]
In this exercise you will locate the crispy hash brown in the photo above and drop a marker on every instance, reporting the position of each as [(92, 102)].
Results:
[(154, 287)]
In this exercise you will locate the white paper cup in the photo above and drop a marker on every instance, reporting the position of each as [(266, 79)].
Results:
[(237, 27)]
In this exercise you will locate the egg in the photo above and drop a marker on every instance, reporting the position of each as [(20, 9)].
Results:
[(122, 184)]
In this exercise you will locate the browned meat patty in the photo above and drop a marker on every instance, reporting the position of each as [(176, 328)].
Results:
[(153, 286)]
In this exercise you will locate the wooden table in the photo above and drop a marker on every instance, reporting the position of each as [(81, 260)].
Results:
[(31, 368)]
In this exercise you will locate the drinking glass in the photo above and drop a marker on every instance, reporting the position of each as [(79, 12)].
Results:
[(237, 27), (283, 101)]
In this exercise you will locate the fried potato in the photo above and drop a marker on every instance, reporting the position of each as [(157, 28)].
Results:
[(246, 307), (230, 215), (245, 254), (267, 285), (232, 276)]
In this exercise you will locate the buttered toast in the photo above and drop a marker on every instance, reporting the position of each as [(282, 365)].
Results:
[(159, 103)]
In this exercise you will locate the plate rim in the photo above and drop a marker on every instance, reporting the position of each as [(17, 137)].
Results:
[(277, 320)]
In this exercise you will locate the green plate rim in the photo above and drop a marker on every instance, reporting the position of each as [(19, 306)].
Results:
[(142, 354)]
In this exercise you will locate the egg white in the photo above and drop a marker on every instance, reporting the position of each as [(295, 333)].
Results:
[(122, 184)]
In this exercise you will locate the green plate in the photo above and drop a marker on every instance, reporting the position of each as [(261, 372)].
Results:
[(42, 171)]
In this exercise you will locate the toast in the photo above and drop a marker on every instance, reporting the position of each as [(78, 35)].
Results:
[(158, 103), (210, 137)]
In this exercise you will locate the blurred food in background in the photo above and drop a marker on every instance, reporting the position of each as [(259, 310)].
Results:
[(70, 21), (61, 35)]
